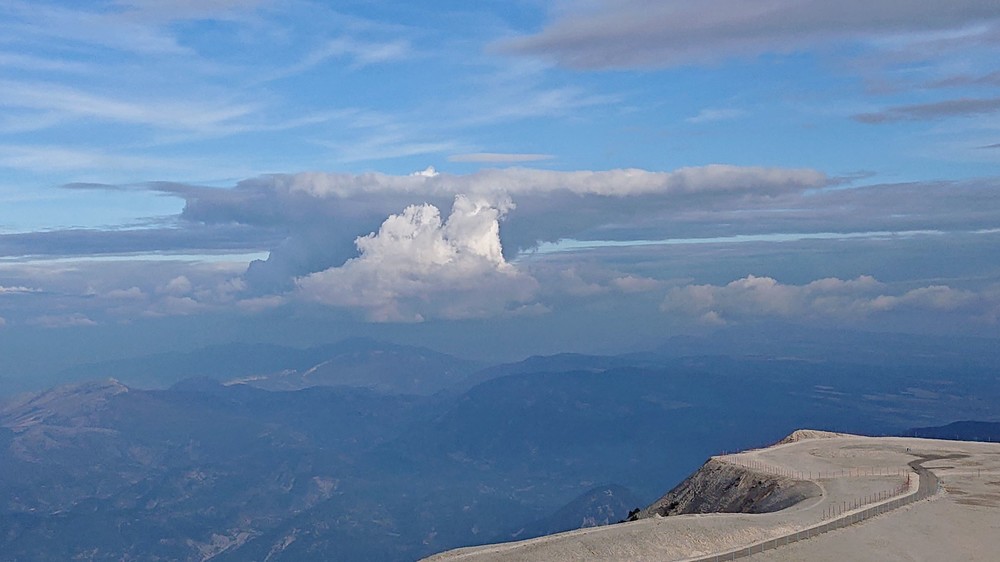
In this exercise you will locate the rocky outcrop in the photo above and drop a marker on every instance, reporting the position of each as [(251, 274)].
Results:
[(800, 434), (720, 487), (69, 406)]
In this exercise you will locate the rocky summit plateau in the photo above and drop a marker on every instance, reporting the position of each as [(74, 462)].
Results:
[(813, 496)]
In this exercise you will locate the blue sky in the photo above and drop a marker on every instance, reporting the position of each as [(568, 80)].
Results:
[(300, 171)]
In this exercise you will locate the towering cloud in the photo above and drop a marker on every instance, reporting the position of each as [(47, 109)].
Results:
[(417, 266), (323, 212)]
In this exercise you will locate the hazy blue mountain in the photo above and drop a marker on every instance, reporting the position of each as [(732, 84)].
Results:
[(219, 361), (815, 344), (560, 363), (380, 366), (355, 362), (960, 430), (179, 473), (203, 470), (602, 505)]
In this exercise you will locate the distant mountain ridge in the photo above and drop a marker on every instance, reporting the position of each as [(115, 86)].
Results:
[(280, 366), (603, 505), (205, 470), (960, 431), (359, 362)]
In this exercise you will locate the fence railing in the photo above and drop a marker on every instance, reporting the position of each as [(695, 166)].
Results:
[(927, 487), (861, 472)]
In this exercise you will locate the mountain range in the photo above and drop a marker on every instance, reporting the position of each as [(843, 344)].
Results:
[(433, 455)]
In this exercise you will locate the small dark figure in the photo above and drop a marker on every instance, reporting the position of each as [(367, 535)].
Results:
[(632, 516)]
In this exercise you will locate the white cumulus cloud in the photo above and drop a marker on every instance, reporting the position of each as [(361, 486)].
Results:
[(635, 284), (754, 297), (418, 266), (934, 297), (62, 321), (17, 290), (178, 286)]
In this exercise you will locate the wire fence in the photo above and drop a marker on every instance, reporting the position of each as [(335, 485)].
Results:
[(927, 487), (836, 509), (860, 472)]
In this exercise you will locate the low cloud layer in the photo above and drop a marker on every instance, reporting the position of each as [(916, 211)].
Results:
[(755, 297)]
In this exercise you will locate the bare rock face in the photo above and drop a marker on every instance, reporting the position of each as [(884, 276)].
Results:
[(67, 406), (800, 434), (719, 487)]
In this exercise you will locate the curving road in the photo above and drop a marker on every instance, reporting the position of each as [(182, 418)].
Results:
[(927, 486)]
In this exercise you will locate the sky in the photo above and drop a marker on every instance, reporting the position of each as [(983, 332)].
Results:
[(492, 179)]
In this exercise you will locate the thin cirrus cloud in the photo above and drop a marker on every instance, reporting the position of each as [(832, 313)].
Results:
[(133, 26), (169, 114), (499, 157), (47, 158), (650, 33), (964, 107), (110, 30), (988, 79), (156, 11), (34, 63), (710, 115), (361, 54)]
